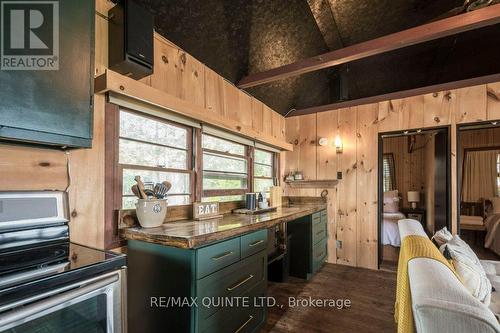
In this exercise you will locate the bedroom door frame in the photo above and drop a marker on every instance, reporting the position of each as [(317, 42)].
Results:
[(462, 128), (380, 189)]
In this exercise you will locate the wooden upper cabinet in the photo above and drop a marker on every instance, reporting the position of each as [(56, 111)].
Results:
[(214, 92)]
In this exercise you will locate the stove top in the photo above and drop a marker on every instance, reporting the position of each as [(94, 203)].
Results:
[(36, 268)]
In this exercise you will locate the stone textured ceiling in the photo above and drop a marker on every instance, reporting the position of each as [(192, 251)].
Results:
[(238, 37)]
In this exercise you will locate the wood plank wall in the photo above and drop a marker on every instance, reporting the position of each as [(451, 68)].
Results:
[(353, 213), (177, 73)]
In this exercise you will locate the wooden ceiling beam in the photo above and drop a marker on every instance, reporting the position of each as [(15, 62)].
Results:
[(397, 95), (446, 27)]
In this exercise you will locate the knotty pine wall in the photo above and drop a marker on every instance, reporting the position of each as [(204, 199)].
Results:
[(177, 73), (353, 204)]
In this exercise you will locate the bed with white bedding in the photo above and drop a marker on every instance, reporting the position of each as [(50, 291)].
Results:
[(390, 230)]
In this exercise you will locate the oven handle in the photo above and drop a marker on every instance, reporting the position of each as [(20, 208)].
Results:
[(18, 315)]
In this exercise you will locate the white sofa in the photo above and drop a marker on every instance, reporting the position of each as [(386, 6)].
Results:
[(440, 302)]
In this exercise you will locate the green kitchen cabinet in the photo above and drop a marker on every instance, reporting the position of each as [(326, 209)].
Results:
[(309, 244), (53, 105), (212, 289)]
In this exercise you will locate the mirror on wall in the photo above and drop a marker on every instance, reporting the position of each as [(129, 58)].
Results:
[(478, 174), (414, 178)]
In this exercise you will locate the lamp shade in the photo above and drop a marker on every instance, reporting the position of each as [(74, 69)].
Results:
[(413, 196)]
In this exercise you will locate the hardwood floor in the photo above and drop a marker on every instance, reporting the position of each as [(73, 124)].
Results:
[(475, 240), (372, 295)]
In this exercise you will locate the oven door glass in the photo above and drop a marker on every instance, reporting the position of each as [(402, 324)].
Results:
[(88, 316), (91, 306)]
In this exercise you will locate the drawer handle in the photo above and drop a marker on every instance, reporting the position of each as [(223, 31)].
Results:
[(320, 255), (239, 284), (222, 256), (250, 318), (320, 232), (256, 243)]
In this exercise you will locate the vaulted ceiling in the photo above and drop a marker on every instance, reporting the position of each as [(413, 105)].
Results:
[(240, 37)]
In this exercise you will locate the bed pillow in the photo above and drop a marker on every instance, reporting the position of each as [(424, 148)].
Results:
[(495, 202), (442, 236), (391, 201), (469, 268)]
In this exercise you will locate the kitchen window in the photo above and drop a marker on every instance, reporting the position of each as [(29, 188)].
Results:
[(263, 170), (225, 168), (157, 150)]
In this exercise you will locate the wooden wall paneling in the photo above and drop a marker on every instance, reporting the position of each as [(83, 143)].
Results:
[(493, 101), (367, 186), (292, 137), (166, 76), (347, 189), (438, 110), (86, 193), (412, 112), (101, 37), (307, 142), (267, 115), (193, 79), (454, 185), (231, 101), (331, 207), (390, 115), (245, 109), (26, 168), (326, 168), (326, 163), (257, 115), (276, 124), (214, 92), (471, 104)]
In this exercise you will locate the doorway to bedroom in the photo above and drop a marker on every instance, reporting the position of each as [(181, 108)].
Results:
[(478, 159), (414, 178)]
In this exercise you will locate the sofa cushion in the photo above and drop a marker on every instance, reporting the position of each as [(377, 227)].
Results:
[(469, 268), (442, 304), (442, 236)]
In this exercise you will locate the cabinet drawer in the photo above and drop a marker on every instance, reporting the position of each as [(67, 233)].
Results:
[(316, 217), (232, 281), (320, 251), (324, 213), (214, 257), (241, 319), (253, 243), (319, 232)]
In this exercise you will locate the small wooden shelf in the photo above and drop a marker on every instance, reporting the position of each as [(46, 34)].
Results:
[(323, 183)]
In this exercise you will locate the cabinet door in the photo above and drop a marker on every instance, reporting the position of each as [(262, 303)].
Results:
[(54, 106)]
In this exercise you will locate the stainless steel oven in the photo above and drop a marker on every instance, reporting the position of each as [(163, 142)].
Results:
[(49, 284), (92, 305)]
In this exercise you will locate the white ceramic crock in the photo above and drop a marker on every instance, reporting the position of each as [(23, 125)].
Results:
[(151, 212)]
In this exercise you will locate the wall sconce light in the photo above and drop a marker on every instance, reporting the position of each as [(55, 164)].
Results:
[(338, 144)]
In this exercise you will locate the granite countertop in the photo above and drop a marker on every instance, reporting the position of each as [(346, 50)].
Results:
[(192, 234)]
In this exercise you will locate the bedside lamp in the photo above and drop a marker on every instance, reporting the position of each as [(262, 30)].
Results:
[(413, 198)]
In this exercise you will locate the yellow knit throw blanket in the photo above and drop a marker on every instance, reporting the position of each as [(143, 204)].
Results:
[(412, 247)]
